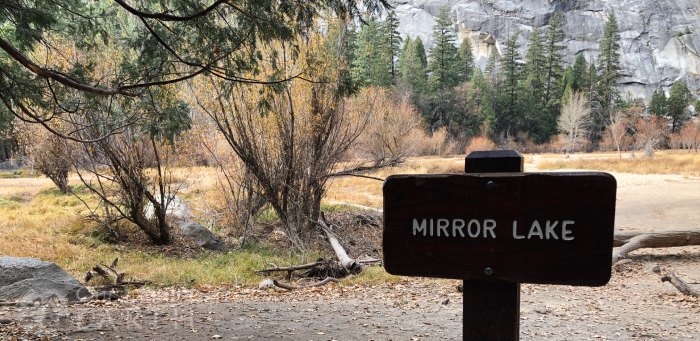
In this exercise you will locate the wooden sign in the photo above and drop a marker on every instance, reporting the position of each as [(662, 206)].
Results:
[(547, 228)]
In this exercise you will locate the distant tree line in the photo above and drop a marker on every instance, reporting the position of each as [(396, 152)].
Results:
[(515, 98)]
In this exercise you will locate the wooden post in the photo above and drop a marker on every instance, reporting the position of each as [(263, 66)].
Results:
[(492, 309)]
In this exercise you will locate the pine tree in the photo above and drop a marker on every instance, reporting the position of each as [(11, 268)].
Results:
[(608, 75), (492, 68), (553, 54), (444, 63), (509, 120), (370, 66), (412, 65), (678, 103), (658, 105), (540, 122), (391, 44), (535, 65), (579, 73), (466, 59)]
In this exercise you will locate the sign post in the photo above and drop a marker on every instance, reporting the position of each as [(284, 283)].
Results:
[(491, 310), (496, 227)]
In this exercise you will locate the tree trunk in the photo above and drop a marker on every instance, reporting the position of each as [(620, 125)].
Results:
[(348, 263), (3, 155), (630, 241)]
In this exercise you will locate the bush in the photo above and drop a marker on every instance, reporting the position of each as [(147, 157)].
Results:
[(480, 143)]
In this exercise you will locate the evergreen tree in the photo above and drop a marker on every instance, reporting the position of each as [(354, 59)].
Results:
[(444, 63), (466, 59), (412, 65), (535, 65), (658, 105), (540, 122), (392, 43), (508, 119), (553, 55), (492, 68), (579, 73), (608, 76), (678, 103), (370, 65)]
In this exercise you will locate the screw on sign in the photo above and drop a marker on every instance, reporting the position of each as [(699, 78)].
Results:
[(496, 227)]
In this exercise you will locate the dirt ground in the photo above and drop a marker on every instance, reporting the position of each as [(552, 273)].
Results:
[(635, 305)]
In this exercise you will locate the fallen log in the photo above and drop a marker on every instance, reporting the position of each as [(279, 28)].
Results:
[(680, 285), (630, 241), (345, 261), (294, 287)]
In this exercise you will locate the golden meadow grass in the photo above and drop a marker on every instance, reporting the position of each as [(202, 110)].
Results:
[(663, 162), (37, 221)]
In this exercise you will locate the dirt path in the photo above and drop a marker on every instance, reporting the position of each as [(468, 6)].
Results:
[(636, 305)]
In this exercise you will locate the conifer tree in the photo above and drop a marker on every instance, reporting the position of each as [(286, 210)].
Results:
[(658, 105), (444, 63), (553, 54), (412, 65), (678, 103), (579, 73), (391, 44), (608, 75), (466, 59), (540, 122), (370, 67), (509, 120), (491, 72)]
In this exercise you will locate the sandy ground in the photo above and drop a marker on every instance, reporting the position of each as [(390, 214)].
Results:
[(635, 305)]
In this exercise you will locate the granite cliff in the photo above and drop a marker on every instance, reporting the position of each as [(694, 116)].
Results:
[(660, 38)]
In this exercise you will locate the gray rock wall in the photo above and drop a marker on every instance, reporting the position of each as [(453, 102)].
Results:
[(656, 46)]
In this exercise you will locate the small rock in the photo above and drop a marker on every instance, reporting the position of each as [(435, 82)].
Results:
[(542, 310), (445, 302), (5, 321), (266, 284), (216, 337)]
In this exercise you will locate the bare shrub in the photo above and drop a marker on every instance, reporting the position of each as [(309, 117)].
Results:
[(649, 133), (438, 143), (574, 121), (617, 131), (389, 139), (130, 173), (49, 154), (290, 137), (480, 143), (689, 135)]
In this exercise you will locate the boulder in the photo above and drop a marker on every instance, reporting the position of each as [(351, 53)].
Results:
[(201, 236), (32, 281)]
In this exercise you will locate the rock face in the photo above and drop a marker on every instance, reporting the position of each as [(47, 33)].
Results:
[(660, 39), (31, 281)]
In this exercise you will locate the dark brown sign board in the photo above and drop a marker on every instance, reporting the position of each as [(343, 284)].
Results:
[(547, 228)]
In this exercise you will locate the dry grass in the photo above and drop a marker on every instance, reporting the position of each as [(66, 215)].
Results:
[(37, 221), (664, 162), (368, 192)]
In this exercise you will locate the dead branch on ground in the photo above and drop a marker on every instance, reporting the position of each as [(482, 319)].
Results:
[(681, 285), (293, 287), (114, 284), (630, 241)]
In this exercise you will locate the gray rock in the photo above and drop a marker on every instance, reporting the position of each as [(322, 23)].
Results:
[(660, 40), (32, 281), (202, 236)]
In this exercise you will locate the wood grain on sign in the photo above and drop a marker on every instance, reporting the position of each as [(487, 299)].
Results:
[(462, 226)]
